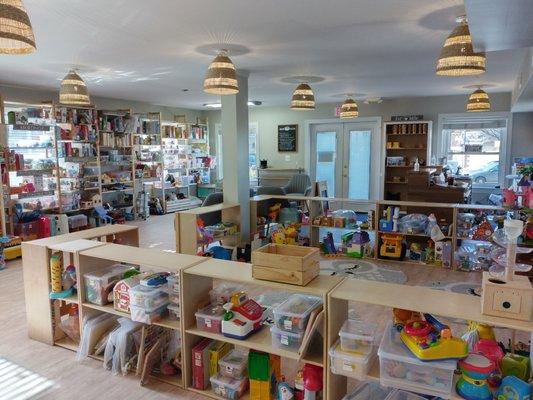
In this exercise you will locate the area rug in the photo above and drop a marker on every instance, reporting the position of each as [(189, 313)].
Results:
[(361, 269), (457, 287)]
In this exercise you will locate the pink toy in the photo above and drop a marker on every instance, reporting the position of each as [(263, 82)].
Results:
[(509, 197), (490, 349)]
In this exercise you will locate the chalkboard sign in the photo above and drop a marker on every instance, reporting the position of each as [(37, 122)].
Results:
[(287, 137)]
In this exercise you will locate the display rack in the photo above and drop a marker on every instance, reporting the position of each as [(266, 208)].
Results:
[(404, 143), (186, 224), (389, 295), (148, 156), (77, 154), (116, 129), (199, 168), (36, 269), (199, 279)]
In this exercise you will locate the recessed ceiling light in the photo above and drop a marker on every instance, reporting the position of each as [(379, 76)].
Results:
[(373, 100), (219, 105)]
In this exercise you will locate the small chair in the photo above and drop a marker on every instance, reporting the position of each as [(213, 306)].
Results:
[(300, 184), (214, 217), (273, 190), (100, 215)]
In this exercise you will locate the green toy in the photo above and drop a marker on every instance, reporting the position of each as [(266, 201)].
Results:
[(516, 365)]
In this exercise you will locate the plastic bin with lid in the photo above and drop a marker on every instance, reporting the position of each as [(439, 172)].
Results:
[(357, 336), (173, 282), (399, 368), (368, 391), (148, 298), (402, 395), (150, 316), (351, 364), (209, 319), (99, 284), (286, 340), (292, 315), (228, 388), (233, 365), (173, 312)]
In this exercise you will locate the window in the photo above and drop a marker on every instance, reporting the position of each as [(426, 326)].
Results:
[(253, 151), (475, 146)]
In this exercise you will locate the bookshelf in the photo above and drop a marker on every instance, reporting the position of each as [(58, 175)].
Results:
[(404, 143)]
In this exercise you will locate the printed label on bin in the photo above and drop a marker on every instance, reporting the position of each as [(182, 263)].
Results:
[(347, 366), (208, 322), (284, 339), (287, 324), (229, 369)]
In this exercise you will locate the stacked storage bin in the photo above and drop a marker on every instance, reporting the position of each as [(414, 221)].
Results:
[(232, 379), (173, 282), (291, 319), (355, 352), (148, 304)]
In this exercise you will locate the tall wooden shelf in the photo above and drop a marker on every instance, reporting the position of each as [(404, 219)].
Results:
[(410, 140)]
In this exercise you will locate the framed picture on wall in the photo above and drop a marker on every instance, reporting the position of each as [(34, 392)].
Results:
[(288, 138)]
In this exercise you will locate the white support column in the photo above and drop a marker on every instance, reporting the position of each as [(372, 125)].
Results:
[(236, 182)]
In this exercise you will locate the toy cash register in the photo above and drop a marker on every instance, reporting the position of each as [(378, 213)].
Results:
[(243, 316), (431, 340)]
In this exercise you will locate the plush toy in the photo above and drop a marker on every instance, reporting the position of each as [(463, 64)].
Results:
[(273, 212)]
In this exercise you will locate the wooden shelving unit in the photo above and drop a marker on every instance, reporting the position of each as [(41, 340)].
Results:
[(199, 279), (389, 295), (36, 269), (410, 140)]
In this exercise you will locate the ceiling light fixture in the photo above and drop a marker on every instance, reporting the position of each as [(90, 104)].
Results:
[(303, 98), (349, 108), (219, 105), (478, 101), (457, 57), (373, 100), (16, 33), (221, 77), (73, 90)]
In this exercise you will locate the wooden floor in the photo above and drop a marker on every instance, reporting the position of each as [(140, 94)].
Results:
[(88, 380)]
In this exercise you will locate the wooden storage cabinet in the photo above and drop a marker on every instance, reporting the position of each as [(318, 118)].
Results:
[(36, 271)]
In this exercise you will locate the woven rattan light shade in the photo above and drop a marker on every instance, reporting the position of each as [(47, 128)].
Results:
[(221, 77), (16, 33), (303, 98), (457, 57), (73, 90), (349, 109), (478, 101)]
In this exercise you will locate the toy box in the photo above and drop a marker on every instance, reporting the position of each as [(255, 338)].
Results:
[(148, 298), (513, 299), (286, 340), (264, 371), (121, 293), (233, 364), (351, 364), (200, 364), (357, 336), (292, 315), (209, 319), (228, 388), (99, 284), (147, 316), (368, 391), (219, 350), (399, 368)]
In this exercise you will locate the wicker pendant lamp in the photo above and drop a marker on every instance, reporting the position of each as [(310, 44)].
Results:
[(349, 109), (73, 90), (478, 101), (221, 77), (303, 98), (457, 57), (16, 33)]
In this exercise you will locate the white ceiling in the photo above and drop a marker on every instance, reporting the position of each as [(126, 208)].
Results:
[(151, 50)]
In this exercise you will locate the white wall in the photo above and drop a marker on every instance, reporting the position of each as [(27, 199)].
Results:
[(522, 140), (268, 118), (36, 96)]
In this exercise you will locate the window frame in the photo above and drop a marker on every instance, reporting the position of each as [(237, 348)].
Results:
[(505, 141)]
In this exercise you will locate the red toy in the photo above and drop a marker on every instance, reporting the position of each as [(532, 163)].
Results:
[(490, 349), (313, 383)]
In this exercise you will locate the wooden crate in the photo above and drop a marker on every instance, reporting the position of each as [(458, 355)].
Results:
[(285, 263)]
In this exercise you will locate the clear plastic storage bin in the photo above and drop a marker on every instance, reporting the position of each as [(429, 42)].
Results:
[(209, 319), (399, 368), (357, 336), (98, 284), (286, 340), (292, 315), (173, 282), (228, 388), (368, 391), (401, 395), (233, 364), (173, 312), (351, 364), (148, 298), (148, 316)]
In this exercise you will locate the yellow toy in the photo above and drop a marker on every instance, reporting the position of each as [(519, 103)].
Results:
[(55, 274), (391, 246), (273, 212), (483, 331)]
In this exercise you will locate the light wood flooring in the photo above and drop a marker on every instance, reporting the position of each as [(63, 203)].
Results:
[(89, 380)]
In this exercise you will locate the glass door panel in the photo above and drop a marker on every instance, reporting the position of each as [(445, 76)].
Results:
[(357, 169)]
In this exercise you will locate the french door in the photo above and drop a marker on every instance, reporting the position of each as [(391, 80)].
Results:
[(346, 156)]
